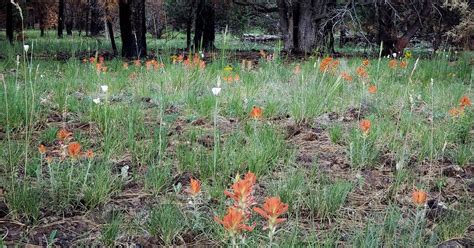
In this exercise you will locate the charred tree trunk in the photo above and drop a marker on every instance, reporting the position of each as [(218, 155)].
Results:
[(204, 30), (342, 37), (111, 36), (96, 24), (133, 28), (403, 41), (388, 34), (300, 22), (189, 24), (110, 28), (9, 22), (60, 18), (69, 25)]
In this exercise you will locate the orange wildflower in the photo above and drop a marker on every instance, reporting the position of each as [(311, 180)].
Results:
[(419, 197), (84, 60), (364, 125), (365, 62), (98, 67), (89, 154), (272, 209), (346, 76), (262, 53), (455, 112), (74, 149), (195, 187), (233, 221), (125, 65), (92, 60), (256, 112), (101, 59), (297, 69), (236, 77), (372, 89), (137, 62), (242, 191), (63, 134), (392, 64), (465, 101), (42, 149), (202, 65), (362, 72), (328, 63), (180, 58), (250, 176), (49, 159), (403, 64)]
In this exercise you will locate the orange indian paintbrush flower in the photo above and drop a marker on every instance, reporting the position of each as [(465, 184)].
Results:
[(365, 62), (364, 125), (74, 149), (242, 192), (233, 221), (419, 197), (372, 89), (272, 209), (63, 134), (89, 154), (465, 101), (42, 149), (346, 76), (362, 72), (194, 187), (256, 112), (392, 64), (403, 64)]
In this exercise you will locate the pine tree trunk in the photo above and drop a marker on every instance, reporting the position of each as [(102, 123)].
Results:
[(133, 28), (111, 36), (299, 22), (60, 18), (96, 25), (69, 25), (9, 23), (204, 30)]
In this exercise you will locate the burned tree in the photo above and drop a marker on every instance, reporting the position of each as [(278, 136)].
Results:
[(133, 28), (204, 27), (300, 22), (9, 22)]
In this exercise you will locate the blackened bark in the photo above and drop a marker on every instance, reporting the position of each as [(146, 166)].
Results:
[(96, 25), (300, 22), (342, 37), (111, 36), (204, 30), (69, 25), (9, 22), (60, 18), (189, 24), (132, 28), (403, 41)]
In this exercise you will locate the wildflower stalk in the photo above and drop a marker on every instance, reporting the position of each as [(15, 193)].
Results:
[(87, 173), (216, 139), (8, 127)]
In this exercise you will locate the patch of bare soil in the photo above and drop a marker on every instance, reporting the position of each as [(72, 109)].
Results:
[(373, 191)]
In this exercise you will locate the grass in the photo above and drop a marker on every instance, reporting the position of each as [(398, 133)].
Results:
[(154, 129)]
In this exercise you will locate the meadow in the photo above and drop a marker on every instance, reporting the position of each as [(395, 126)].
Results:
[(213, 149)]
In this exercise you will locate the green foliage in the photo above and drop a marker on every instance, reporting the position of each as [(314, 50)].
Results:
[(324, 201), (167, 222)]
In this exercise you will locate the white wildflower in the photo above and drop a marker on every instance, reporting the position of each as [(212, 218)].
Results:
[(216, 91), (96, 100), (104, 88), (26, 48)]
